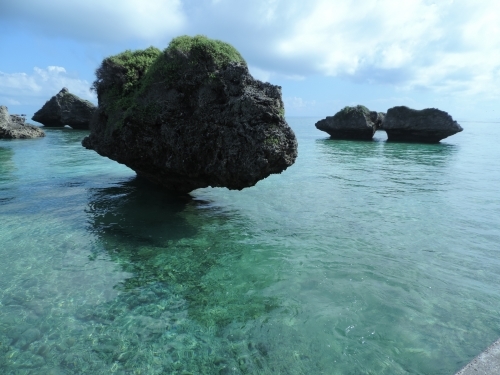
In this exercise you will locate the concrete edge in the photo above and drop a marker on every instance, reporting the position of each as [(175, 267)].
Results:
[(486, 363)]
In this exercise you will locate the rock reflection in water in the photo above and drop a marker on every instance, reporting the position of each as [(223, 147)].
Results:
[(382, 152), (435, 154), (183, 293), (6, 163), (7, 168), (139, 213)]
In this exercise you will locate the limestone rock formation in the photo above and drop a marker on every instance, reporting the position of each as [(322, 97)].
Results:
[(65, 109), (352, 123), (190, 116), (428, 125), (15, 127)]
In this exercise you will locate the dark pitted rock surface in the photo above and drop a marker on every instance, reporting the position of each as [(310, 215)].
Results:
[(65, 109), (352, 123), (378, 119), (428, 125), (190, 117), (15, 127)]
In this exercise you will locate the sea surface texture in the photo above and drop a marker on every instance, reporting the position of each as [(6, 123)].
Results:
[(364, 257)]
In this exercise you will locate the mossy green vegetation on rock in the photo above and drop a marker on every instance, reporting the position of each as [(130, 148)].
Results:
[(202, 48), (131, 64), (118, 80), (190, 116), (349, 111), (123, 78)]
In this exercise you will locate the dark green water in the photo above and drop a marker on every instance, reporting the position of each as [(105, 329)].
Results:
[(362, 258)]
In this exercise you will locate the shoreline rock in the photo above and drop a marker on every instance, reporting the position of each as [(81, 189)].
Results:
[(65, 108), (190, 117), (357, 123), (428, 125), (15, 126)]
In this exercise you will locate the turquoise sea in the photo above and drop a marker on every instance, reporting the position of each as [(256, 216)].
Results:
[(362, 258)]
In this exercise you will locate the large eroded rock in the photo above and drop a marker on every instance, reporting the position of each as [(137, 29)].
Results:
[(190, 117), (427, 125), (352, 123), (15, 127), (65, 108)]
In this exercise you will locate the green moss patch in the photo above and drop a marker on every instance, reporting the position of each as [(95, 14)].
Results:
[(347, 111), (201, 49), (124, 80), (123, 72)]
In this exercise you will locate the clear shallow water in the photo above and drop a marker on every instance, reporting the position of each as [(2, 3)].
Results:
[(362, 258)]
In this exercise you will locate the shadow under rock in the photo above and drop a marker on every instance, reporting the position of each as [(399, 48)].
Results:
[(137, 212), (350, 149), (352, 152), (6, 163), (150, 233), (7, 167), (429, 154)]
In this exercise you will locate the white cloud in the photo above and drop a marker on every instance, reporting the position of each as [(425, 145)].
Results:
[(294, 77), (298, 105), (446, 46), (98, 20), (8, 101), (41, 85), (260, 74), (345, 37), (267, 76), (18, 83)]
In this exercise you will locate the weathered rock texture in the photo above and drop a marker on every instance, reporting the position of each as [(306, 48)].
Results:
[(352, 123), (190, 117), (427, 125), (65, 109), (14, 126)]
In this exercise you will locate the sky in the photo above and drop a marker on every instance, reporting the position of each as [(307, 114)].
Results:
[(325, 54)]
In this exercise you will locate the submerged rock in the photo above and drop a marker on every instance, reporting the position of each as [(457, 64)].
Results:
[(428, 125), (15, 127), (352, 123), (65, 109), (189, 117)]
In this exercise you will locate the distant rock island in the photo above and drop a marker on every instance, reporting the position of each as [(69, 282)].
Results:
[(401, 124), (428, 125), (15, 126), (190, 117), (65, 108), (352, 123)]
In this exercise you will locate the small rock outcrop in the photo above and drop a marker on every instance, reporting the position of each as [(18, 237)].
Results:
[(65, 109), (190, 117), (15, 127), (352, 123), (428, 125)]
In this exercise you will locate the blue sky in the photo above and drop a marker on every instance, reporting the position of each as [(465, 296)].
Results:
[(325, 54)]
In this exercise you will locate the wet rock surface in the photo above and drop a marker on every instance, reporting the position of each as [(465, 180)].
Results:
[(190, 117), (15, 126), (65, 108), (352, 123), (428, 125)]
